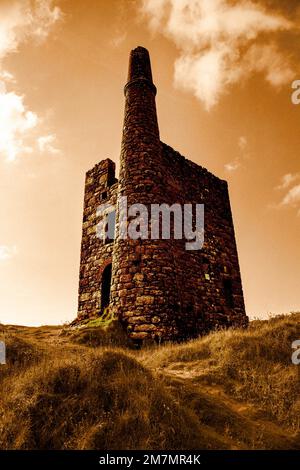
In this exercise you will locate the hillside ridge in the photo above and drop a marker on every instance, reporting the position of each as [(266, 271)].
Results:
[(86, 388)]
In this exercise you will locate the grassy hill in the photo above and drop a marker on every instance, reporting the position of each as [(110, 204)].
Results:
[(75, 389)]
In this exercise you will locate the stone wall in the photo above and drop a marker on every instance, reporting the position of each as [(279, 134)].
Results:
[(208, 280), (101, 188)]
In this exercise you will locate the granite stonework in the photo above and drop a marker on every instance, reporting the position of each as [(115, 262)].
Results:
[(157, 288)]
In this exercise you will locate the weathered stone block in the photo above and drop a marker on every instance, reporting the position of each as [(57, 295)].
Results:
[(145, 300)]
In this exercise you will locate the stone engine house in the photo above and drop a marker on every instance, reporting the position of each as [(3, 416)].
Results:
[(157, 288)]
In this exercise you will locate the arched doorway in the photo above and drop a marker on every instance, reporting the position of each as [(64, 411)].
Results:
[(105, 286)]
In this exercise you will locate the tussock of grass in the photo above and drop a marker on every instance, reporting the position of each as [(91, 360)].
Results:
[(20, 354), (231, 389), (95, 335)]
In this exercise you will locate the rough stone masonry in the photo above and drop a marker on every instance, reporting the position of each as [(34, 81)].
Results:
[(157, 288)]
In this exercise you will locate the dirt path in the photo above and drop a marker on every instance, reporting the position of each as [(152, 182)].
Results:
[(242, 422)]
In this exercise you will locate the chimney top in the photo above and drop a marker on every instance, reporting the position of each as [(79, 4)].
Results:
[(139, 65)]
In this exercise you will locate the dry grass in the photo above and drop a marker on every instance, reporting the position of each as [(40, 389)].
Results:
[(74, 390)]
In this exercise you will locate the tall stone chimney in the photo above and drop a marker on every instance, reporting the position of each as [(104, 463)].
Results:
[(140, 149), (138, 288)]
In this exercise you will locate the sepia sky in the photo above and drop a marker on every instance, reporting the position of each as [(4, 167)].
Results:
[(223, 70)]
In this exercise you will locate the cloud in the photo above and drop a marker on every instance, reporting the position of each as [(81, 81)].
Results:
[(7, 252), (15, 123), (268, 60), (215, 43), (287, 180), (24, 19), (20, 21), (232, 166), (6, 77), (291, 185), (242, 142), (45, 144), (242, 155), (292, 198), (118, 39), (119, 27)]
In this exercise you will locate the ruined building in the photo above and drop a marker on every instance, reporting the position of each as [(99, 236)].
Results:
[(157, 288)]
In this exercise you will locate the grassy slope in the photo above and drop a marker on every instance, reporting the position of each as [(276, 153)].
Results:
[(231, 389)]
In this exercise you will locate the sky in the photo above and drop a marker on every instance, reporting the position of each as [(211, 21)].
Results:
[(224, 72)]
